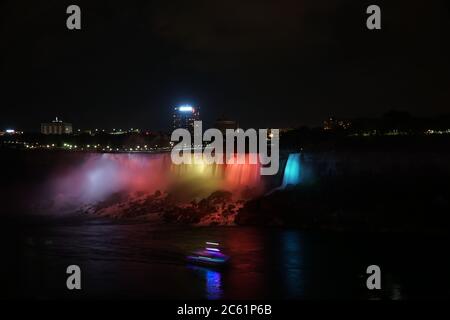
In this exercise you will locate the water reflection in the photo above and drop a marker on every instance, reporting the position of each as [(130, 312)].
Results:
[(146, 261), (213, 281), (292, 263)]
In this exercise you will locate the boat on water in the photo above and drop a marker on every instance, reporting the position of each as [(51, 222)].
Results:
[(210, 256)]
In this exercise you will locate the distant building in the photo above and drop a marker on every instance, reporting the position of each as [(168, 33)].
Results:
[(184, 117), (284, 130), (10, 132), (117, 131), (334, 124), (56, 127), (223, 124)]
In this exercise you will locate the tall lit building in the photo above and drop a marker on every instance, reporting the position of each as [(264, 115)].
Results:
[(184, 117), (56, 127)]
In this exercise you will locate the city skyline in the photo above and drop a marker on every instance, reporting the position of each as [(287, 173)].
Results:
[(404, 119), (278, 64)]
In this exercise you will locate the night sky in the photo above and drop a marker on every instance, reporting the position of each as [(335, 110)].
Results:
[(274, 63)]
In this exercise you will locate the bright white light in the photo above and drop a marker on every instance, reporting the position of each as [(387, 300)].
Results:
[(186, 108), (10, 131)]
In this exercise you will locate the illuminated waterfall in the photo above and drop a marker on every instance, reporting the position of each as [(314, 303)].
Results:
[(97, 176), (292, 170), (203, 178)]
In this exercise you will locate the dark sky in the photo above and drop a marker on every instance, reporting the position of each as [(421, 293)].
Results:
[(270, 63)]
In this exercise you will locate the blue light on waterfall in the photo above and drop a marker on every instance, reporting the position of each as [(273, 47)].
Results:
[(292, 170)]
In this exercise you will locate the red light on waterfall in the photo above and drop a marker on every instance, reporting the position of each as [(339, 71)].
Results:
[(243, 175)]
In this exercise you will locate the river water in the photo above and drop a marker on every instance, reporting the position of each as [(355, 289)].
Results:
[(147, 261)]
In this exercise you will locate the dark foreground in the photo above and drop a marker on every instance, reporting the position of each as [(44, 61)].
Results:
[(147, 262)]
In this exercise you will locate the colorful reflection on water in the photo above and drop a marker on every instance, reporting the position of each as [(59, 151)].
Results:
[(213, 281), (292, 261)]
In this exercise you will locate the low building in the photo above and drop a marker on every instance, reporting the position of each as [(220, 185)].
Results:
[(56, 127)]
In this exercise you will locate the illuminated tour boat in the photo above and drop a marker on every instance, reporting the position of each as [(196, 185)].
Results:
[(209, 256)]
